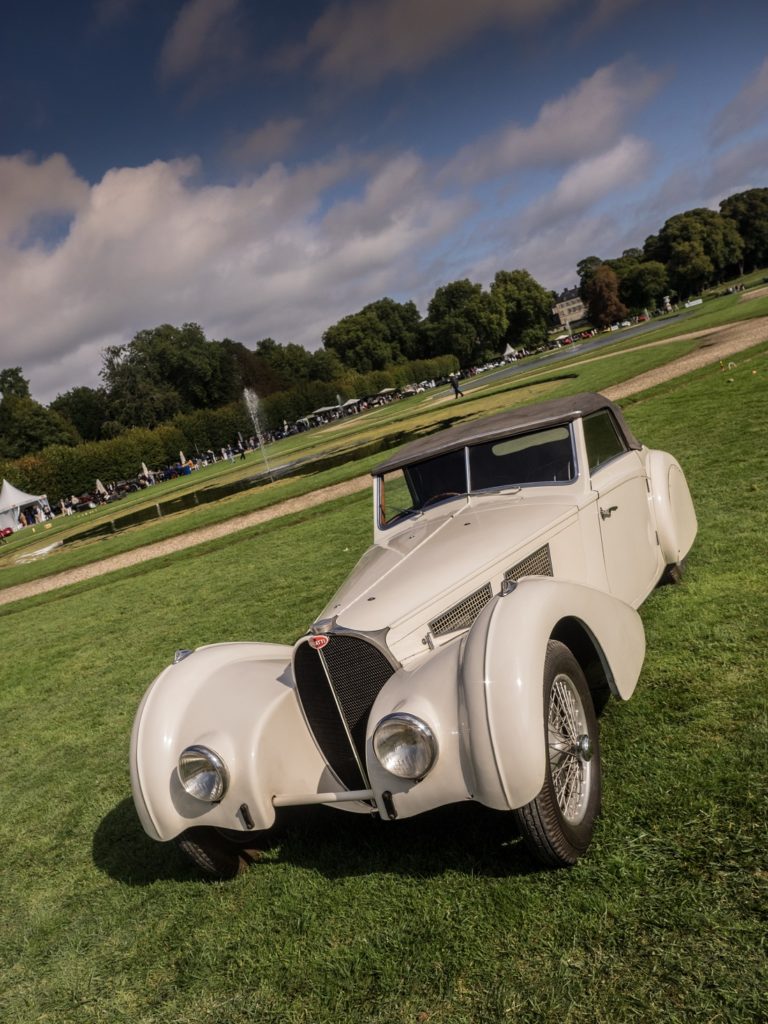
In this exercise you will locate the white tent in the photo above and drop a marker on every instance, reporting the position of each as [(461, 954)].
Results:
[(12, 501)]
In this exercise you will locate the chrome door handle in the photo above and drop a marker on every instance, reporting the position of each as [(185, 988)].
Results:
[(605, 513)]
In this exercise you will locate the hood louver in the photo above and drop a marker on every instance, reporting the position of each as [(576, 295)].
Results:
[(538, 563), (463, 614)]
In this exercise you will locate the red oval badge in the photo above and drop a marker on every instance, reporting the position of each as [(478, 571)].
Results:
[(318, 642)]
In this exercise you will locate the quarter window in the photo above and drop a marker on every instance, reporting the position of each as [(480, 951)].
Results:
[(602, 438)]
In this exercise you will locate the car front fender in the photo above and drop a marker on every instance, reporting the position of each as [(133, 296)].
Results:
[(501, 679), (428, 690), (237, 699)]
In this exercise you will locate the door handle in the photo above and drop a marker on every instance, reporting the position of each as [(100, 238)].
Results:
[(605, 513)]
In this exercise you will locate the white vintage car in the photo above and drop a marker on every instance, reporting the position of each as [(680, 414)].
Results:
[(464, 659)]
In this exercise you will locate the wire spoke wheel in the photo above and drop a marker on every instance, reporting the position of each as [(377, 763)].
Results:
[(569, 755), (557, 825)]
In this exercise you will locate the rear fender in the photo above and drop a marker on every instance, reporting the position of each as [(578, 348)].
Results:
[(501, 679), (238, 699), (672, 505)]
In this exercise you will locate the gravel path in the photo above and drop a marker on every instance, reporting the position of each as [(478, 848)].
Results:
[(725, 342)]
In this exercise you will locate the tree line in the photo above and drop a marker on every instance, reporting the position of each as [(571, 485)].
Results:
[(694, 250), (169, 372)]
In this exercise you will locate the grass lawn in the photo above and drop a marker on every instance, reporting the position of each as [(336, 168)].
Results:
[(441, 918)]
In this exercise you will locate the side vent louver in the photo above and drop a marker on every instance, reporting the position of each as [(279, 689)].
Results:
[(463, 614), (538, 563)]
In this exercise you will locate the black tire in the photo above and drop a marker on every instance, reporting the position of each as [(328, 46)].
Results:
[(672, 574), (215, 854), (557, 825)]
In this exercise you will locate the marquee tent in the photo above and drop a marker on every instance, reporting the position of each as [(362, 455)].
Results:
[(13, 501)]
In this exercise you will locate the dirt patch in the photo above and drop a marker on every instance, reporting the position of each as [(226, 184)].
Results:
[(755, 293), (725, 342), (721, 344)]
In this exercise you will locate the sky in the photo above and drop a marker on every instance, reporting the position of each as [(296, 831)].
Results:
[(264, 168)]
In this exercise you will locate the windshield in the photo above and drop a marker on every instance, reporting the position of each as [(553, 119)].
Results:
[(541, 457)]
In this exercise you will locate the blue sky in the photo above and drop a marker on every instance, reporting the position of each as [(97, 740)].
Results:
[(265, 168)]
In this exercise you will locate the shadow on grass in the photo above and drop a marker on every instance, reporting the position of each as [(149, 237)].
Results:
[(464, 838)]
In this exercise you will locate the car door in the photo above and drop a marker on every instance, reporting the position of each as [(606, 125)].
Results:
[(627, 529)]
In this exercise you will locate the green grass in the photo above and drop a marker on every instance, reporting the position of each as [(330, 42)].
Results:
[(439, 919)]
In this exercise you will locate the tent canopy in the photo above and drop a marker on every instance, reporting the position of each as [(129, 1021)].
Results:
[(12, 500)]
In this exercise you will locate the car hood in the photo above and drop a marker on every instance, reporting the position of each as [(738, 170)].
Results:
[(404, 582)]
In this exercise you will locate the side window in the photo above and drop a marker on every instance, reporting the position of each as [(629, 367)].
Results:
[(603, 440)]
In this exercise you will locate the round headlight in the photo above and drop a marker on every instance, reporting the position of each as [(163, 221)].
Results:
[(405, 746), (203, 774)]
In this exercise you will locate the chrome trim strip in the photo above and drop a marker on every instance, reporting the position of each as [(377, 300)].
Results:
[(300, 799)]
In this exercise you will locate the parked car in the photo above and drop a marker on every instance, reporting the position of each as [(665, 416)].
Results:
[(466, 657)]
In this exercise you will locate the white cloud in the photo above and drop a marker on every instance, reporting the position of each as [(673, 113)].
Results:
[(204, 32), (149, 245), (364, 41), (591, 180), (268, 142), (746, 110), (743, 166), (607, 10), (587, 119), (29, 190)]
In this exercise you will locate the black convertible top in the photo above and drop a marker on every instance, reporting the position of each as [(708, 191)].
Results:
[(506, 424)]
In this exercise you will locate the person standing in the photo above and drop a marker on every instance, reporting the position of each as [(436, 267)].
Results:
[(457, 392)]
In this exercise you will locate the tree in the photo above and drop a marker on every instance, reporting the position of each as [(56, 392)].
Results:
[(527, 306), (749, 213), (709, 240), (585, 269), (167, 370), (138, 397), (644, 285), (402, 325), (381, 333), (13, 384), (603, 302), (326, 366), (359, 340), (690, 268), (85, 408), (625, 263), (464, 321), (247, 369), (26, 427), (183, 359)]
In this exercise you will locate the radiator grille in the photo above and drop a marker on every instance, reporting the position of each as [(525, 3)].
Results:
[(337, 687), (538, 563), (463, 614)]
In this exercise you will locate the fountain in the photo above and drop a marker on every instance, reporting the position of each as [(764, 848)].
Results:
[(252, 404)]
